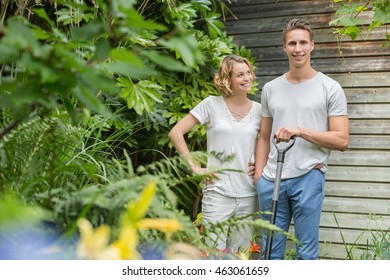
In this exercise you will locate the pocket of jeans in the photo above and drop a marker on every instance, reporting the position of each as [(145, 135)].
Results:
[(257, 184)]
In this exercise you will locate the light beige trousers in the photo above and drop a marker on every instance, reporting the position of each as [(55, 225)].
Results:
[(217, 208)]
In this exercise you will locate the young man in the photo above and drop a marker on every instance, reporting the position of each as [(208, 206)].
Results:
[(312, 107)]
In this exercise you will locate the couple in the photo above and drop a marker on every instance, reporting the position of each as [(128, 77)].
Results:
[(302, 103)]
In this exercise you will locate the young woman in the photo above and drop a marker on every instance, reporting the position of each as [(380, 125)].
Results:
[(232, 122)]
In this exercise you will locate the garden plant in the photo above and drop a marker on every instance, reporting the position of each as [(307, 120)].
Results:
[(88, 93)]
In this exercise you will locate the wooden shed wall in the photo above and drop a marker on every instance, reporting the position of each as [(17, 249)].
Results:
[(358, 181)]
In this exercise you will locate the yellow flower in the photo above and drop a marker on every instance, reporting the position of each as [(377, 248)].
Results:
[(136, 210), (168, 226), (127, 244), (94, 244), (164, 225)]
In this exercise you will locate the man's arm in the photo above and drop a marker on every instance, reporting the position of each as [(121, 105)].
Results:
[(262, 147), (337, 138)]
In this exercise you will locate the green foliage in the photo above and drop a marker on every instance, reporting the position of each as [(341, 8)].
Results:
[(351, 20), (377, 247), (241, 222), (154, 57), (72, 174), (12, 213), (141, 96), (88, 92)]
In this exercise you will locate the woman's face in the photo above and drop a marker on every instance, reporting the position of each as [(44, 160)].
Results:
[(241, 78), (298, 47)]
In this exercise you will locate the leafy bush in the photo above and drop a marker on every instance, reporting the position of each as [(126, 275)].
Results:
[(352, 17), (88, 91)]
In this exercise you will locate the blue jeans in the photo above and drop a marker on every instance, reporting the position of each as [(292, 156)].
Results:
[(299, 198)]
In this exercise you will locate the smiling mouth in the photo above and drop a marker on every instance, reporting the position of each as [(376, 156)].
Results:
[(298, 56)]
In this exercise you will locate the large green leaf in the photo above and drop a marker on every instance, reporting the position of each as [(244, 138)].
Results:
[(141, 96), (19, 36), (90, 99), (214, 25), (43, 15), (186, 48), (103, 49), (125, 55), (166, 62), (184, 12), (71, 16), (133, 19), (8, 53), (88, 32), (40, 68), (129, 70), (382, 14)]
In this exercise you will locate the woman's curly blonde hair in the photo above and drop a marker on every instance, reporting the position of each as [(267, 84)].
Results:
[(223, 75)]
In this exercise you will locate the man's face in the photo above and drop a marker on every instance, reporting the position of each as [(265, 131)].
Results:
[(298, 47)]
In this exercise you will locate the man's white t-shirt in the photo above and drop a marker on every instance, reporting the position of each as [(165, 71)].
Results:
[(227, 136), (308, 104)]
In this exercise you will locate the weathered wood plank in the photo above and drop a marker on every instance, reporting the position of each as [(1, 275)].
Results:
[(270, 9), (263, 24), (357, 205), (240, 3), (233, 3), (367, 142), (358, 174), (357, 189), (366, 127), (369, 111), (333, 251), (346, 80), (356, 222), (367, 95), (352, 64), (256, 15), (278, 9), (360, 158), (334, 65), (343, 236), (338, 251), (349, 49), (264, 68)]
